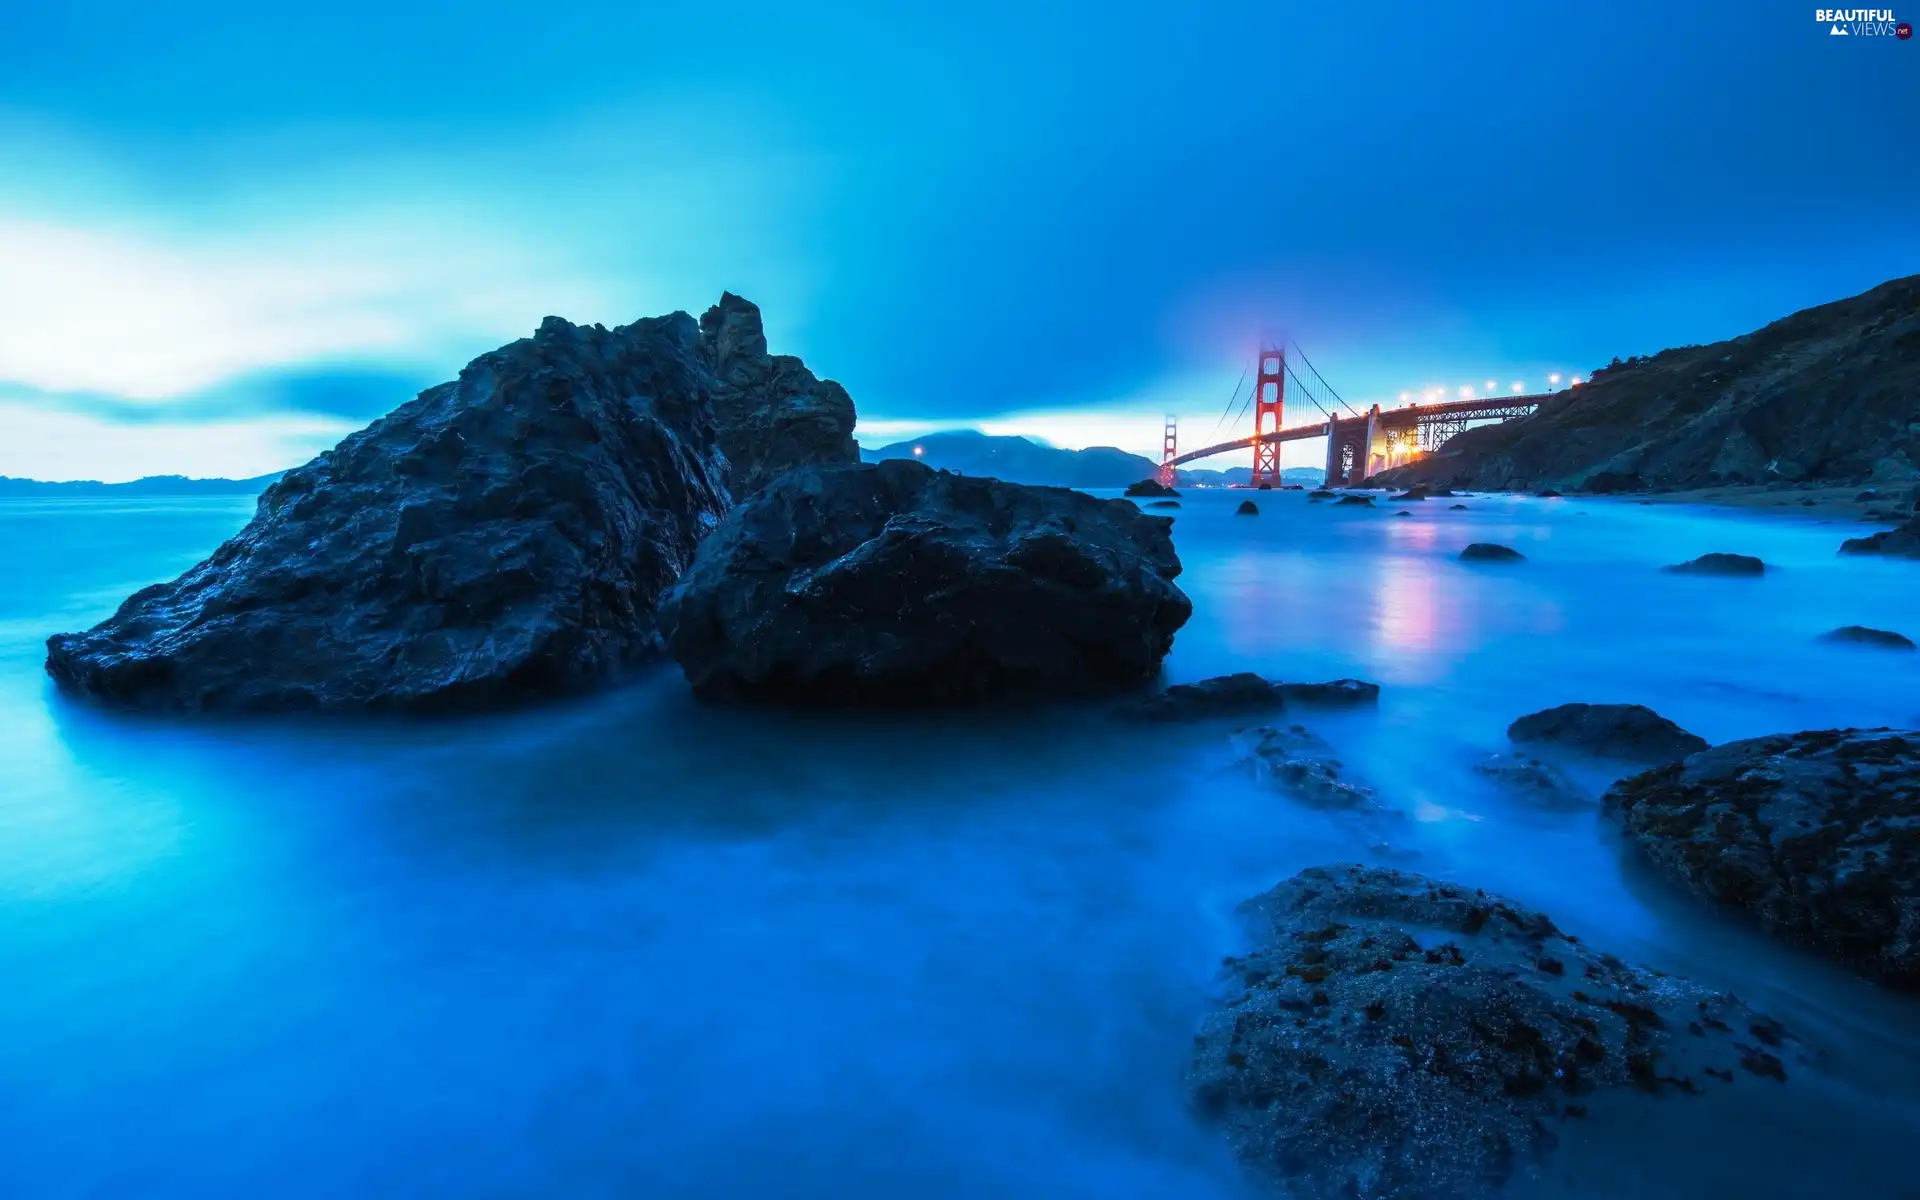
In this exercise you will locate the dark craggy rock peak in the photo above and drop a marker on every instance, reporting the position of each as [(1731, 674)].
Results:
[(1831, 393), (496, 539), (1390, 1035), (773, 413), (1817, 834), (893, 583), (1631, 732)]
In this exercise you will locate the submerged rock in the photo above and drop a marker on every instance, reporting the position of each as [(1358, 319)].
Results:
[(772, 413), (1816, 834), (1719, 564), (1860, 635), (497, 539), (1352, 499), (1903, 542), (1547, 494), (1336, 693), (1491, 552), (1223, 695), (1532, 780), (892, 583), (1403, 513), (1320, 494), (1300, 764), (1163, 504), (1632, 732), (1391, 1035), (1456, 508), (1247, 509), (1150, 487)]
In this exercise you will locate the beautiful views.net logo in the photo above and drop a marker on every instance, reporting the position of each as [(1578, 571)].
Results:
[(1862, 22)]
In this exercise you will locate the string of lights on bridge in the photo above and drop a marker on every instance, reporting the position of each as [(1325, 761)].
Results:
[(1468, 392)]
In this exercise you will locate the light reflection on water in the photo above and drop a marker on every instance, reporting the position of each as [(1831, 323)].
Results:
[(636, 945)]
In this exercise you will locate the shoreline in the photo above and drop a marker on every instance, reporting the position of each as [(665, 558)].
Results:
[(1891, 506)]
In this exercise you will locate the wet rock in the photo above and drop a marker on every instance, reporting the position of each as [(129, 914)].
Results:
[(1320, 494), (1298, 763), (1869, 494), (1816, 834), (1150, 487), (1391, 1035), (1247, 509), (892, 583), (1163, 504), (1413, 493), (1456, 508), (1532, 780), (1491, 552), (497, 539), (1403, 513), (1337, 693), (1352, 499), (772, 413), (1224, 695), (1719, 564), (1632, 732), (1860, 635), (1547, 494), (1903, 542)]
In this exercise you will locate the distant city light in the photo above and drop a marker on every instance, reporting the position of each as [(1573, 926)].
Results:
[(918, 451), (1553, 379), (1518, 387)]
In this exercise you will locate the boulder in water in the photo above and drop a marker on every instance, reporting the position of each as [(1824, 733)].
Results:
[(1413, 493), (1490, 552), (1547, 494), (1350, 498), (1336, 693), (497, 539), (1320, 494), (772, 413), (1456, 508), (1631, 732), (1388, 1034), (1530, 779), (1150, 487), (1720, 564), (1860, 635), (1223, 695), (1816, 834), (1903, 542), (890, 583), (1163, 504), (1298, 763), (1247, 509)]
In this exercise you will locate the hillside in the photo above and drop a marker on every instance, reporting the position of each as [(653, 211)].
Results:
[(1019, 460), (150, 485), (1828, 394)]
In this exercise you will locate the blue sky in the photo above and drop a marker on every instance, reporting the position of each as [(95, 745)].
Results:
[(230, 232)]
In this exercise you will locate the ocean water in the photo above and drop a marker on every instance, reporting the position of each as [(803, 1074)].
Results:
[(639, 947)]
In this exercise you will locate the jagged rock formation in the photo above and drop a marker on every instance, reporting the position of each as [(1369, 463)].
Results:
[(773, 414), (1390, 1035), (1816, 834), (893, 583), (1632, 732), (1830, 393), (496, 539)]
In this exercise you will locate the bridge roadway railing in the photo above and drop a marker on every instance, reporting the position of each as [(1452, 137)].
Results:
[(1491, 408)]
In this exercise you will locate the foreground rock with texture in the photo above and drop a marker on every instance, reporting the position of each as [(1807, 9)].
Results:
[(1816, 834), (1298, 763), (892, 583), (772, 413), (1632, 732), (1390, 1035), (499, 538)]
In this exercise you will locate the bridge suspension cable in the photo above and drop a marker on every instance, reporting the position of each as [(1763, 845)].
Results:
[(1217, 425), (1323, 383)]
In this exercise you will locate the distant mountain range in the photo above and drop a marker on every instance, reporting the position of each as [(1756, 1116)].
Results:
[(151, 485), (1020, 460)]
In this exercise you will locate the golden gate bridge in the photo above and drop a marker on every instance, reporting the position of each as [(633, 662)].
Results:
[(1358, 444)]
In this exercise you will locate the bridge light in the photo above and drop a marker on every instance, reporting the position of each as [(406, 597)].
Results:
[(1518, 387), (919, 450), (1574, 382), (1405, 396), (1553, 379), (1466, 393), (1492, 385)]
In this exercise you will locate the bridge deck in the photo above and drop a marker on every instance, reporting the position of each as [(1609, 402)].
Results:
[(1412, 414)]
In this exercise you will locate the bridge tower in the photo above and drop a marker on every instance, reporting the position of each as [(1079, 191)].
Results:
[(1169, 450), (1269, 398)]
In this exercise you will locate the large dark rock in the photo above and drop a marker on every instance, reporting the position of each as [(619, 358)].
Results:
[(892, 583), (1490, 552), (1816, 834), (1150, 487), (1632, 732), (1390, 1035), (499, 538), (1903, 542), (1720, 564), (773, 413), (1247, 509), (1350, 498), (1826, 394)]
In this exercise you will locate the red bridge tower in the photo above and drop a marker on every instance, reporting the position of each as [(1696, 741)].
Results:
[(1169, 450), (1269, 398)]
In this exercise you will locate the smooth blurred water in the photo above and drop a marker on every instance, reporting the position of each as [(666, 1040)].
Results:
[(639, 947)]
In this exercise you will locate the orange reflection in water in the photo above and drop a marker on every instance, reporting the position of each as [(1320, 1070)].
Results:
[(1417, 621)]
